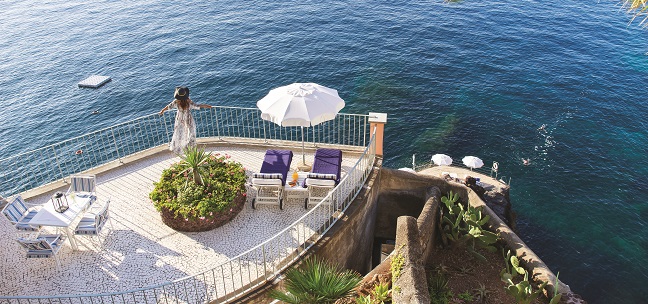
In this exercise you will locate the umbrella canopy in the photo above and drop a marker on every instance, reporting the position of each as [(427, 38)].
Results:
[(441, 160), (472, 162), (300, 105)]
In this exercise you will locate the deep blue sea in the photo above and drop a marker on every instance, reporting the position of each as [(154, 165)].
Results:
[(467, 78)]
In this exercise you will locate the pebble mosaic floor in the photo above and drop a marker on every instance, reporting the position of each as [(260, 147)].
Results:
[(140, 250)]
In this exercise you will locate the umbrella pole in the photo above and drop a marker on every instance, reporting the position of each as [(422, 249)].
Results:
[(303, 154), (304, 167)]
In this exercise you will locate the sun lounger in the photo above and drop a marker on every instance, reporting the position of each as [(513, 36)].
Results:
[(325, 175), (270, 181)]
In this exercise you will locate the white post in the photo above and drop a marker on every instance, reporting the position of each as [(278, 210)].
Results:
[(303, 167), (303, 154), (414, 162)]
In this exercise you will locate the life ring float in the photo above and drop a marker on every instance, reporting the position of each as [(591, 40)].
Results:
[(78, 152)]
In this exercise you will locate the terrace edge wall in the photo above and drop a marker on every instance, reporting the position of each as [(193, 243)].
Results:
[(349, 242)]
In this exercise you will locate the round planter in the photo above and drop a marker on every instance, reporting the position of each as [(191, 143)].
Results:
[(203, 224)]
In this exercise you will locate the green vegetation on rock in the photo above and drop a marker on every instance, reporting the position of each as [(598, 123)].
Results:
[(464, 226)]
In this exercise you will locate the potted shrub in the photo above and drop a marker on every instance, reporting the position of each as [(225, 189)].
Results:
[(201, 192)]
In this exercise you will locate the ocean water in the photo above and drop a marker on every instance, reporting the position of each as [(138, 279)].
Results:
[(468, 78)]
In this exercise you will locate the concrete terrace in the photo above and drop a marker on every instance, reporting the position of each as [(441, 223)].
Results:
[(141, 251)]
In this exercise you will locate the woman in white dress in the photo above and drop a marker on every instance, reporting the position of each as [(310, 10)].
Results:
[(184, 131)]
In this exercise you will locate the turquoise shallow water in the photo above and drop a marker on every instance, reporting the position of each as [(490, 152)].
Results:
[(467, 78)]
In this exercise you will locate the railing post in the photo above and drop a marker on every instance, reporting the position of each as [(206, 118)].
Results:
[(364, 132), (116, 148), (58, 165), (166, 128), (265, 137), (377, 122), (217, 128)]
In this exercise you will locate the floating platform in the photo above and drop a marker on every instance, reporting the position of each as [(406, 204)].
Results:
[(94, 81)]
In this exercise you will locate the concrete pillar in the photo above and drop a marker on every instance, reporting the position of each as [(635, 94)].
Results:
[(378, 121)]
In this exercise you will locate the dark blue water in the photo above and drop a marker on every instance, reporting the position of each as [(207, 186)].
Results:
[(468, 78)]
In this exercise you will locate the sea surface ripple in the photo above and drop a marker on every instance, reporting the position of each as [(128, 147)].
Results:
[(468, 78)]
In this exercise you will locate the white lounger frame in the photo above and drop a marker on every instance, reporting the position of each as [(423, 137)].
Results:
[(269, 191)]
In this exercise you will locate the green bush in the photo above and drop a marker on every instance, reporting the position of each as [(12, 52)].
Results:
[(222, 180)]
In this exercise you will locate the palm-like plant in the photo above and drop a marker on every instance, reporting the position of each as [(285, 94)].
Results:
[(193, 160), (316, 282)]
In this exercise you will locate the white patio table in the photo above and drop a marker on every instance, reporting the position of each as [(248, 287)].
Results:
[(296, 191), (47, 216)]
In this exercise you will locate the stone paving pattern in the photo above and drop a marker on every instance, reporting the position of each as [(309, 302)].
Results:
[(141, 251)]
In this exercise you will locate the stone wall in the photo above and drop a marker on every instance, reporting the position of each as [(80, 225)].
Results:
[(409, 281), (414, 184), (415, 241), (427, 223)]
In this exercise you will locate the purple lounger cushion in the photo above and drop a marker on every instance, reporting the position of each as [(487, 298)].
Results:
[(328, 161), (277, 161)]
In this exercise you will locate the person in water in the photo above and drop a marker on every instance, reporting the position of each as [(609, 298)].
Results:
[(525, 161), (184, 130)]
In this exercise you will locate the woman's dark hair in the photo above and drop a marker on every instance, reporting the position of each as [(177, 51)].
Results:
[(183, 103)]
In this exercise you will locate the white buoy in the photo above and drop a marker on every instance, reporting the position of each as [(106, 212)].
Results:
[(94, 81)]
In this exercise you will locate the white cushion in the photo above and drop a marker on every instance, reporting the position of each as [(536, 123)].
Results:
[(320, 182), (266, 182)]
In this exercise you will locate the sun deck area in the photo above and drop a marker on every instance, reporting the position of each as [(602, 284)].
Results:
[(140, 251)]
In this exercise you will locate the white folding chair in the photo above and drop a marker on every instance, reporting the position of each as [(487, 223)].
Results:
[(83, 186), (19, 214), (93, 223), (44, 246)]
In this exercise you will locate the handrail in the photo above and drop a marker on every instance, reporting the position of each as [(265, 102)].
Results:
[(28, 170), (267, 259)]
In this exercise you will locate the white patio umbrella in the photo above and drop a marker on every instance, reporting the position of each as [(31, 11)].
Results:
[(441, 160), (472, 162), (300, 105)]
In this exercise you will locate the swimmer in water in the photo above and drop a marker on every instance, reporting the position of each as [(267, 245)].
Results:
[(542, 128), (525, 161)]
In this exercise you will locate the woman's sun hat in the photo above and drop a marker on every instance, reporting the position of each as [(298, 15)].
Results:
[(181, 93)]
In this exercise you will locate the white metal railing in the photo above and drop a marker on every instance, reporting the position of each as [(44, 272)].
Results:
[(250, 269), (54, 162), (493, 171)]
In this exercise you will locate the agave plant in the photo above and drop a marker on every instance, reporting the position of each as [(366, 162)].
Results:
[(192, 161), (316, 282)]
